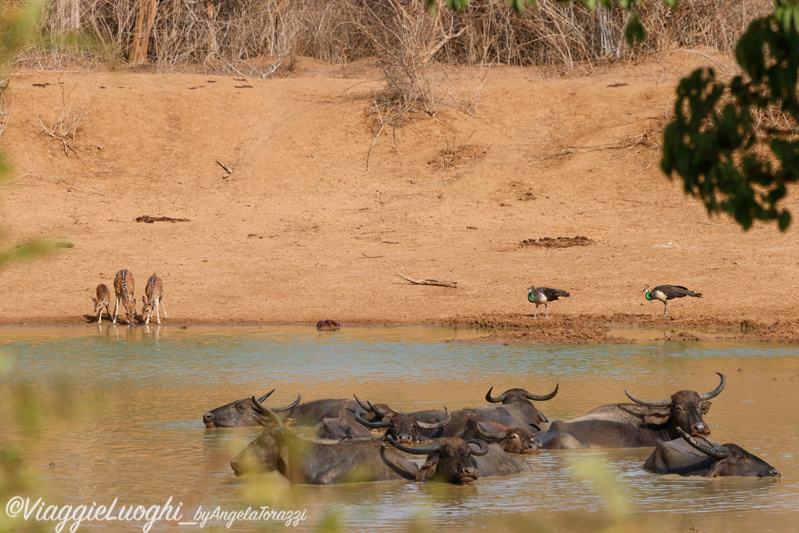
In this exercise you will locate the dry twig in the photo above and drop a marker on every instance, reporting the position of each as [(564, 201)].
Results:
[(438, 282)]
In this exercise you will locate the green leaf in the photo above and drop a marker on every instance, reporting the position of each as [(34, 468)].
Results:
[(634, 32), (519, 5), (784, 220)]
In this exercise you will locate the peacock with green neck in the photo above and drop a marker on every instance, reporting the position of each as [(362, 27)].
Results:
[(544, 295), (664, 293)]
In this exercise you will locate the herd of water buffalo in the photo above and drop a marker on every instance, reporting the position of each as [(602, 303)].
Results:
[(332, 440)]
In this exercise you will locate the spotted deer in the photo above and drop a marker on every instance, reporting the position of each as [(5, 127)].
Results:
[(123, 288), (153, 297), (101, 301)]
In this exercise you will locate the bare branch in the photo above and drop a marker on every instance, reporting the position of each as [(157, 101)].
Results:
[(437, 282)]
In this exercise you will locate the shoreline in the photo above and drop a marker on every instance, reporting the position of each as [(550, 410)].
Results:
[(517, 329)]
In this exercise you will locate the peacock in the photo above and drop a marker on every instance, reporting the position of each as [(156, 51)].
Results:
[(664, 293), (544, 295)]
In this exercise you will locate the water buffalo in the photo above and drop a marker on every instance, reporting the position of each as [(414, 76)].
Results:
[(248, 412), (520, 440), (243, 413), (516, 411), (402, 427), (453, 460), (321, 462), (689, 457), (634, 425), (311, 413), (341, 428), (517, 404)]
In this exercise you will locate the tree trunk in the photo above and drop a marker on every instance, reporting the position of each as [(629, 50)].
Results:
[(141, 37)]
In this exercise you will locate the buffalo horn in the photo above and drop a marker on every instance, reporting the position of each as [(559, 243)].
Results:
[(719, 452), (268, 412), (487, 435), (483, 447), (435, 425), (366, 408), (368, 423), (376, 410), (498, 399), (289, 406), (267, 395), (427, 449), (543, 397), (661, 403), (716, 391)]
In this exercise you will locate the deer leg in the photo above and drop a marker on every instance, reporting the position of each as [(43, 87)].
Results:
[(162, 307), (157, 311), (116, 310), (100, 315)]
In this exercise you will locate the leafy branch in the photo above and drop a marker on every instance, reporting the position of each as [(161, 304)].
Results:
[(714, 143)]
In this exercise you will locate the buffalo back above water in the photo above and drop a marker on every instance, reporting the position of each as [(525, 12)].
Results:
[(341, 428), (317, 462)]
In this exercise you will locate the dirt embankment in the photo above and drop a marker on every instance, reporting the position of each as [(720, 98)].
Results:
[(253, 201)]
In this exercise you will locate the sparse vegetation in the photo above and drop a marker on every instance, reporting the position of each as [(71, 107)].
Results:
[(66, 114), (340, 31)]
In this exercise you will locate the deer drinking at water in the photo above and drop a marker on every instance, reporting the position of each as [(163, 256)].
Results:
[(101, 301), (153, 297), (123, 289)]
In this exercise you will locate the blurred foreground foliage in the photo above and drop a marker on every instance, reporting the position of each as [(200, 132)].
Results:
[(735, 144), (18, 26), (31, 415)]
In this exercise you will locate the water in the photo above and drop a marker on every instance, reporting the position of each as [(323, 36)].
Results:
[(122, 411)]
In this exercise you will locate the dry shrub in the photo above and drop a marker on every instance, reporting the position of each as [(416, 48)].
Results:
[(340, 31), (65, 114)]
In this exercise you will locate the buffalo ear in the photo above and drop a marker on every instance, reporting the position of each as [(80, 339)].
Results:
[(705, 407), (427, 470), (658, 416), (717, 469)]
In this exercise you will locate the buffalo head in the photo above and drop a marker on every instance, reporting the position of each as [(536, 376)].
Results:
[(521, 399), (375, 411), (341, 428), (449, 460), (521, 440), (402, 427), (683, 410), (732, 460), (243, 413)]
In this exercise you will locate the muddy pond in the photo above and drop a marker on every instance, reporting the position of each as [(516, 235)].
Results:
[(120, 410)]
